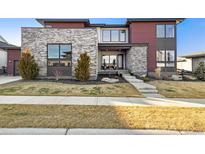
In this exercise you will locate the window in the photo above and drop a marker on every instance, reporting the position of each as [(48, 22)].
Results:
[(160, 31), (114, 35), (59, 55), (106, 35), (105, 59), (169, 31), (170, 56), (165, 31), (122, 35), (165, 58), (161, 55), (53, 51)]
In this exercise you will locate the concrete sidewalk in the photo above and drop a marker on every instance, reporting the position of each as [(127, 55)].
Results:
[(6, 79), (124, 101), (81, 131)]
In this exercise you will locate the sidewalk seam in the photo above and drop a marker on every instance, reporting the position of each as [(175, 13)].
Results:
[(66, 132)]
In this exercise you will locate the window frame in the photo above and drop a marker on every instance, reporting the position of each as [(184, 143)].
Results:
[(103, 35), (110, 36), (59, 56), (165, 30), (165, 59)]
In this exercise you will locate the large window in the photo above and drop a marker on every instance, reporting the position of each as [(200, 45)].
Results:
[(165, 58), (169, 31), (165, 31), (59, 55), (113, 35), (160, 31), (106, 35)]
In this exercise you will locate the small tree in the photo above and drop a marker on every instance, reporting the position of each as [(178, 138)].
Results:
[(28, 68), (82, 71), (200, 71)]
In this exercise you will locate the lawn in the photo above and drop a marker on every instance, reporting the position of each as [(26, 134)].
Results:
[(50, 88), (180, 89), (68, 116)]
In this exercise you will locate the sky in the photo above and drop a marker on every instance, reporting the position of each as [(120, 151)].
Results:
[(190, 33)]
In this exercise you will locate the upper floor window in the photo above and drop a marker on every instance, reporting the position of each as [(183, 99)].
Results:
[(113, 35), (165, 31), (106, 35), (169, 31)]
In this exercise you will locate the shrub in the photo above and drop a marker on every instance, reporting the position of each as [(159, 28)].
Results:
[(57, 73), (200, 71), (82, 71), (28, 68)]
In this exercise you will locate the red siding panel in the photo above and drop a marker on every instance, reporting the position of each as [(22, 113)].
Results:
[(13, 54)]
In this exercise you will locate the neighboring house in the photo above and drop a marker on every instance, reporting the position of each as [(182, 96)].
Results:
[(184, 64), (196, 58), (140, 46), (9, 57)]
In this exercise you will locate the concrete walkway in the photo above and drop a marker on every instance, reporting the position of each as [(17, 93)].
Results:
[(124, 101), (87, 131), (146, 89), (7, 79)]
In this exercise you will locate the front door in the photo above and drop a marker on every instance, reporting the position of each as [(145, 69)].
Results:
[(16, 68), (120, 61)]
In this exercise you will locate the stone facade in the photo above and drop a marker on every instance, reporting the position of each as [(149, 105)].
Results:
[(82, 40), (136, 60)]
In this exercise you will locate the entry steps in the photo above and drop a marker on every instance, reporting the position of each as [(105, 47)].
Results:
[(146, 89)]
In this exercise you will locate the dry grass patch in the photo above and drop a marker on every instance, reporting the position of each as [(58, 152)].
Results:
[(180, 89), (66, 116), (35, 88)]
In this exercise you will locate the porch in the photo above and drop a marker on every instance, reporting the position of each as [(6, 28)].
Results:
[(112, 58)]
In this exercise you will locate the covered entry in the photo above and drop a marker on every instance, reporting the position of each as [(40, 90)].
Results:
[(112, 56)]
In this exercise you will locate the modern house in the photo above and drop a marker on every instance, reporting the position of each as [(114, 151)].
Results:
[(9, 57), (140, 45), (195, 58)]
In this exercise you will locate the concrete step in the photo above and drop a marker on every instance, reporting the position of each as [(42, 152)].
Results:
[(128, 77), (134, 81), (143, 86), (148, 91)]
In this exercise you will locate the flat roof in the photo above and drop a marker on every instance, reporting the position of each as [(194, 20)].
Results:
[(129, 20), (195, 55), (42, 21)]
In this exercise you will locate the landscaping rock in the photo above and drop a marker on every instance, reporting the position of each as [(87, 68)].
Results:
[(190, 77), (110, 80), (177, 77)]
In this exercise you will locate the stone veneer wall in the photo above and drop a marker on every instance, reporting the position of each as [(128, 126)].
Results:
[(137, 60), (82, 40)]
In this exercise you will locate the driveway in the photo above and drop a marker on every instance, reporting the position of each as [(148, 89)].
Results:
[(7, 79)]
